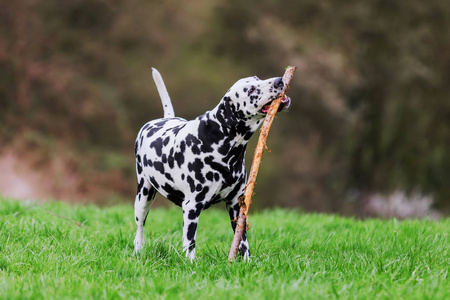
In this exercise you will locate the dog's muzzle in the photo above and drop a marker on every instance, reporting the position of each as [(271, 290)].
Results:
[(285, 102)]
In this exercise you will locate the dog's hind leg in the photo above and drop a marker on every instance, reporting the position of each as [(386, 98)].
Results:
[(191, 214), (144, 199)]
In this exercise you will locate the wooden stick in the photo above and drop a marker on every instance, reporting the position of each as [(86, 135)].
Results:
[(260, 146)]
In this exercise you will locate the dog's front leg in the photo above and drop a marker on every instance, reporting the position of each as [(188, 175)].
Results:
[(191, 214), (233, 210)]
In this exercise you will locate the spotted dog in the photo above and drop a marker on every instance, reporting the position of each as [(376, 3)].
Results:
[(198, 163)]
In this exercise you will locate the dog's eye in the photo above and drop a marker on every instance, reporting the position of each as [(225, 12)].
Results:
[(251, 90)]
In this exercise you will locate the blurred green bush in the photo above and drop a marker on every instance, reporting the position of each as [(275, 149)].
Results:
[(370, 97)]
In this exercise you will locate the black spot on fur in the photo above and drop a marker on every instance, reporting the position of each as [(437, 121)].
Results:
[(191, 183), (192, 245), (243, 249), (234, 192), (226, 115), (159, 166), (192, 140), (153, 182), (145, 219), (176, 129), (171, 162), (179, 158), (216, 199), (192, 215), (147, 162), (216, 176), (235, 157), (169, 177), (199, 207), (157, 145), (145, 191), (240, 114), (244, 237), (173, 195), (201, 196), (171, 155), (160, 123), (223, 170), (152, 131), (192, 228), (209, 132), (197, 167), (224, 148), (166, 141), (195, 213), (195, 150), (140, 185)]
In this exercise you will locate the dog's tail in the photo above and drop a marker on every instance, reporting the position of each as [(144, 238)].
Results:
[(165, 99)]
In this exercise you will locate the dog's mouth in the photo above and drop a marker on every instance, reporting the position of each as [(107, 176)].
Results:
[(285, 103)]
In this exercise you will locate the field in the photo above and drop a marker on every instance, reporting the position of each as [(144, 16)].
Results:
[(61, 251)]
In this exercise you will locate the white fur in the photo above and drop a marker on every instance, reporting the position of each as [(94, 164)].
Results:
[(162, 90)]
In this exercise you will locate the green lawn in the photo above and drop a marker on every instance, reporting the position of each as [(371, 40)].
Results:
[(88, 254)]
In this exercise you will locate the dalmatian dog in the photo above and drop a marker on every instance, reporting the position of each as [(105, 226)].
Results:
[(198, 163)]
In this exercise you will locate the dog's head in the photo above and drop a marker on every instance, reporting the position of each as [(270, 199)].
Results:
[(251, 97)]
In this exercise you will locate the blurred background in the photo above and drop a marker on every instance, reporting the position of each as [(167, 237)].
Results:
[(368, 133)]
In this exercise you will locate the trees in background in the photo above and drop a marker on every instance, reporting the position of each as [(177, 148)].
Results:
[(370, 95)]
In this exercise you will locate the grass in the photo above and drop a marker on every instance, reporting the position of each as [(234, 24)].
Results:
[(62, 251)]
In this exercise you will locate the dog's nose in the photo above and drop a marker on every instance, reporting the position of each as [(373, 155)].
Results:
[(278, 83)]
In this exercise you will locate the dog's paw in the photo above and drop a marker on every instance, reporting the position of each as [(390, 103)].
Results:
[(246, 257), (138, 244), (244, 251), (190, 255)]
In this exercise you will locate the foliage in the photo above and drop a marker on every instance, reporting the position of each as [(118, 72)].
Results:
[(56, 250), (370, 96)]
